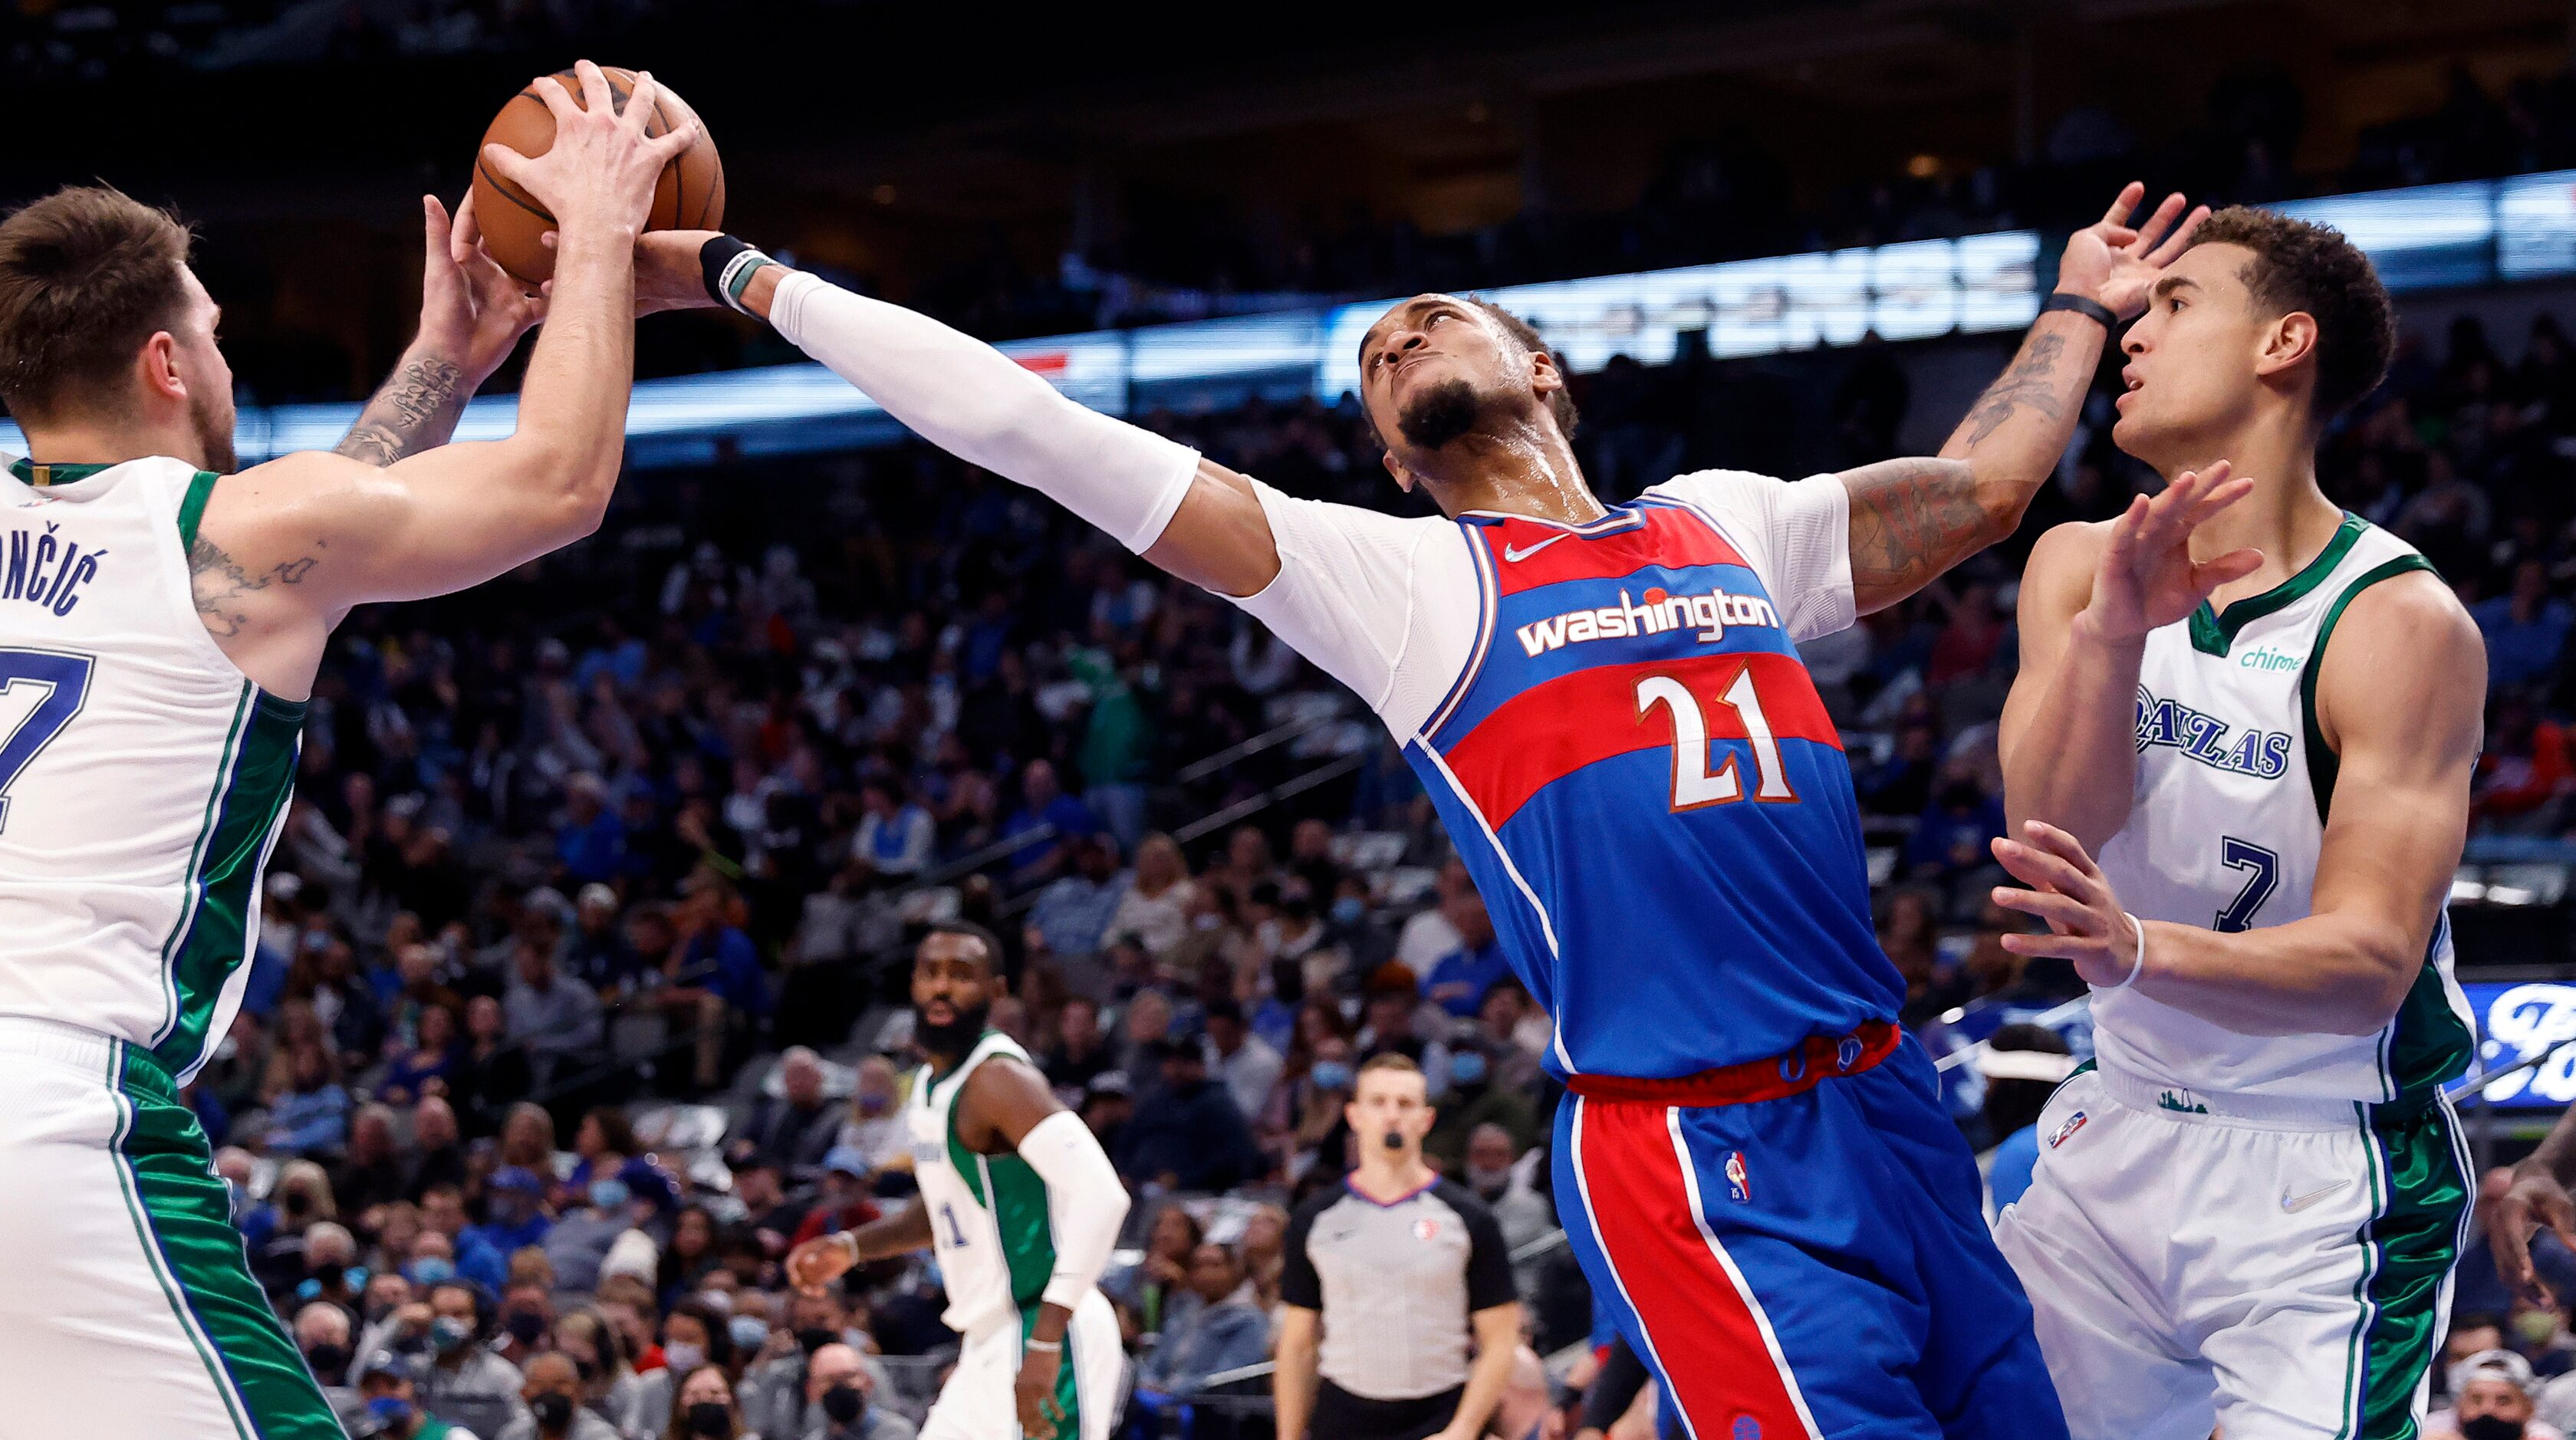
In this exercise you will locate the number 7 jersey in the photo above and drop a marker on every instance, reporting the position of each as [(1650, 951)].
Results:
[(2224, 831), (143, 779), (1631, 758)]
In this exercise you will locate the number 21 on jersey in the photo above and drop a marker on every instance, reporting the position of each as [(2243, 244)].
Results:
[(1693, 784), (40, 692)]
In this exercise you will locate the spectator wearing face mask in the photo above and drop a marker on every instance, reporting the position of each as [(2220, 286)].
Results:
[(323, 1333), (777, 1392), (838, 1392), (702, 1408), (465, 1382), (555, 1411), (874, 1125), (693, 1335), (2491, 1399), (1474, 1101), (392, 1408), (577, 1243), (515, 1210), (1215, 1324)]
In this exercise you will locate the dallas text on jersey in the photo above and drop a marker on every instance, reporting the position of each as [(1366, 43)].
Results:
[(2263, 754)]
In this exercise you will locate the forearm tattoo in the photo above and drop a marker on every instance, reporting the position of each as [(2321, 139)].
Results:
[(2030, 380), (416, 410), (1911, 520)]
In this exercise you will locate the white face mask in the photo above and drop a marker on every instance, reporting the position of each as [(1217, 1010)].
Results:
[(683, 1357)]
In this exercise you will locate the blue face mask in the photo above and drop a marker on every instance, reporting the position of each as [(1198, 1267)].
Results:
[(1332, 1075), (391, 1411), (749, 1332), (1467, 1068), (431, 1270), (609, 1193), (1348, 910)]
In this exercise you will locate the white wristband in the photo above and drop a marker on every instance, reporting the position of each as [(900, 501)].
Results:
[(2138, 966), (1047, 1347)]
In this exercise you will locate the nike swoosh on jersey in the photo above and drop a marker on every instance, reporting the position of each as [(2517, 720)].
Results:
[(2294, 1206), (1509, 553)]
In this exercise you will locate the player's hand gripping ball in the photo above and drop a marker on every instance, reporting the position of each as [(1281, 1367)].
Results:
[(689, 196)]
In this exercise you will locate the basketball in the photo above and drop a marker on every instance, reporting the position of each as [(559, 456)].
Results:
[(690, 195)]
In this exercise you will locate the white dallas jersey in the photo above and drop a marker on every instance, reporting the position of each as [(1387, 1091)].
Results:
[(2233, 785), (142, 778), (988, 1213)]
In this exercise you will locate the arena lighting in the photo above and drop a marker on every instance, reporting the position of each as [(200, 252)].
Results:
[(2468, 233)]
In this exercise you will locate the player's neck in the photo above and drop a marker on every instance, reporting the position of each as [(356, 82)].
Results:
[(93, 443), (2287, 517), (1386, 1177), (1523, 470)]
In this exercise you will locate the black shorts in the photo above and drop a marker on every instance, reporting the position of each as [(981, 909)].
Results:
[(1345, 1416)]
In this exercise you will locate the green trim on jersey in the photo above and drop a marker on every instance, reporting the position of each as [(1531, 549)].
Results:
[(1068, 1394), (192, 507), (182, 1214), (2323, 764), (40, 476), (2212, 633), (2426, 1043), (210, 941), (2419, 1189), (1010, 1190)]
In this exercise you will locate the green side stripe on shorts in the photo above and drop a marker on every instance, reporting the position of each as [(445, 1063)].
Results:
[(2420, 1197), (1067, 1393), (214, 939), (182, 1214)]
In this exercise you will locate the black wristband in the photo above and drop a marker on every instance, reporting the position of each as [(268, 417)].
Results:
[(726, 265), (2074, 304)]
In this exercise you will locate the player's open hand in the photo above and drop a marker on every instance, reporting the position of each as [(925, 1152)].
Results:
[(1041, 1413), (602, 167), (2070, 893), (2534, 1199), (472, 312), (2146, 577), (820, 1261), (2114, 263)]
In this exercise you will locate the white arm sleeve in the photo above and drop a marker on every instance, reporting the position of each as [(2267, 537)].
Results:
[(1086, 1202), (977, 404), (1797, 534)]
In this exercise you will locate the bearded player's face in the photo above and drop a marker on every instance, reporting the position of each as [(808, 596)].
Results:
[(952, 992), (199, 362), (1434, 369)]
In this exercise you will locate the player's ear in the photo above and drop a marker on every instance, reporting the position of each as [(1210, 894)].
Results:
[(156, 367), (2291, 339), (1404, 479), (1545, 378)]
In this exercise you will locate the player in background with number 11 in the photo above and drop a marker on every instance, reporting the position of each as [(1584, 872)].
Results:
[(1607, 705), (2245, 1218)]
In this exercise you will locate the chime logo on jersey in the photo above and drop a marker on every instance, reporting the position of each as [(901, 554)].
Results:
[(2067, 1131), (1737, 1183), (1657, 612), (2262, 754)]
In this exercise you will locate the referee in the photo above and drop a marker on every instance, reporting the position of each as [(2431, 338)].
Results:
[(1395, 1270)]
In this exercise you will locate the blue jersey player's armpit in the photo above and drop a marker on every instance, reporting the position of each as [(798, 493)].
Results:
[(1641, 777)]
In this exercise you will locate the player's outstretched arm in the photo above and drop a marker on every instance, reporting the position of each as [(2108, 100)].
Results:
[(1913, 519), (820, 1261), (2089, 596), (1191, 517), (299, 541), (2400, 699), (472, 313), (1007, 1107)]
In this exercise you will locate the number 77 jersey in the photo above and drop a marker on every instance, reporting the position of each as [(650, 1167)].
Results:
[(1638, 771)]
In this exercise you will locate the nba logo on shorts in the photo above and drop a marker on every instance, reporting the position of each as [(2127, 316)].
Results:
[(2067, 1131), (1745, 1428), (1742, 1190)]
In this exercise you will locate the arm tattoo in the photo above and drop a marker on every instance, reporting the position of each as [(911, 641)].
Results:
[(416, 410), (2031, 381), (218, 582), (1910, 521)]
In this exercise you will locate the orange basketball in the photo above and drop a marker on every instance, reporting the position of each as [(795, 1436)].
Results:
[(689, 196)]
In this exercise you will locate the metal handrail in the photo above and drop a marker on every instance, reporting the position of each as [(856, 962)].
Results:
[(2482, 1140), (1275, 735), (1253, 805), (2052, 1016)]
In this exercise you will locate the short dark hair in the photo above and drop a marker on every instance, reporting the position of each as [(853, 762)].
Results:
[(991, 942), (87, 275), (2301, 267)]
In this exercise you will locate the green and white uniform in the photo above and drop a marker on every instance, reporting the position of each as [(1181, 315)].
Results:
[(995, 1244), (2253, 1233), (142, 782)]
